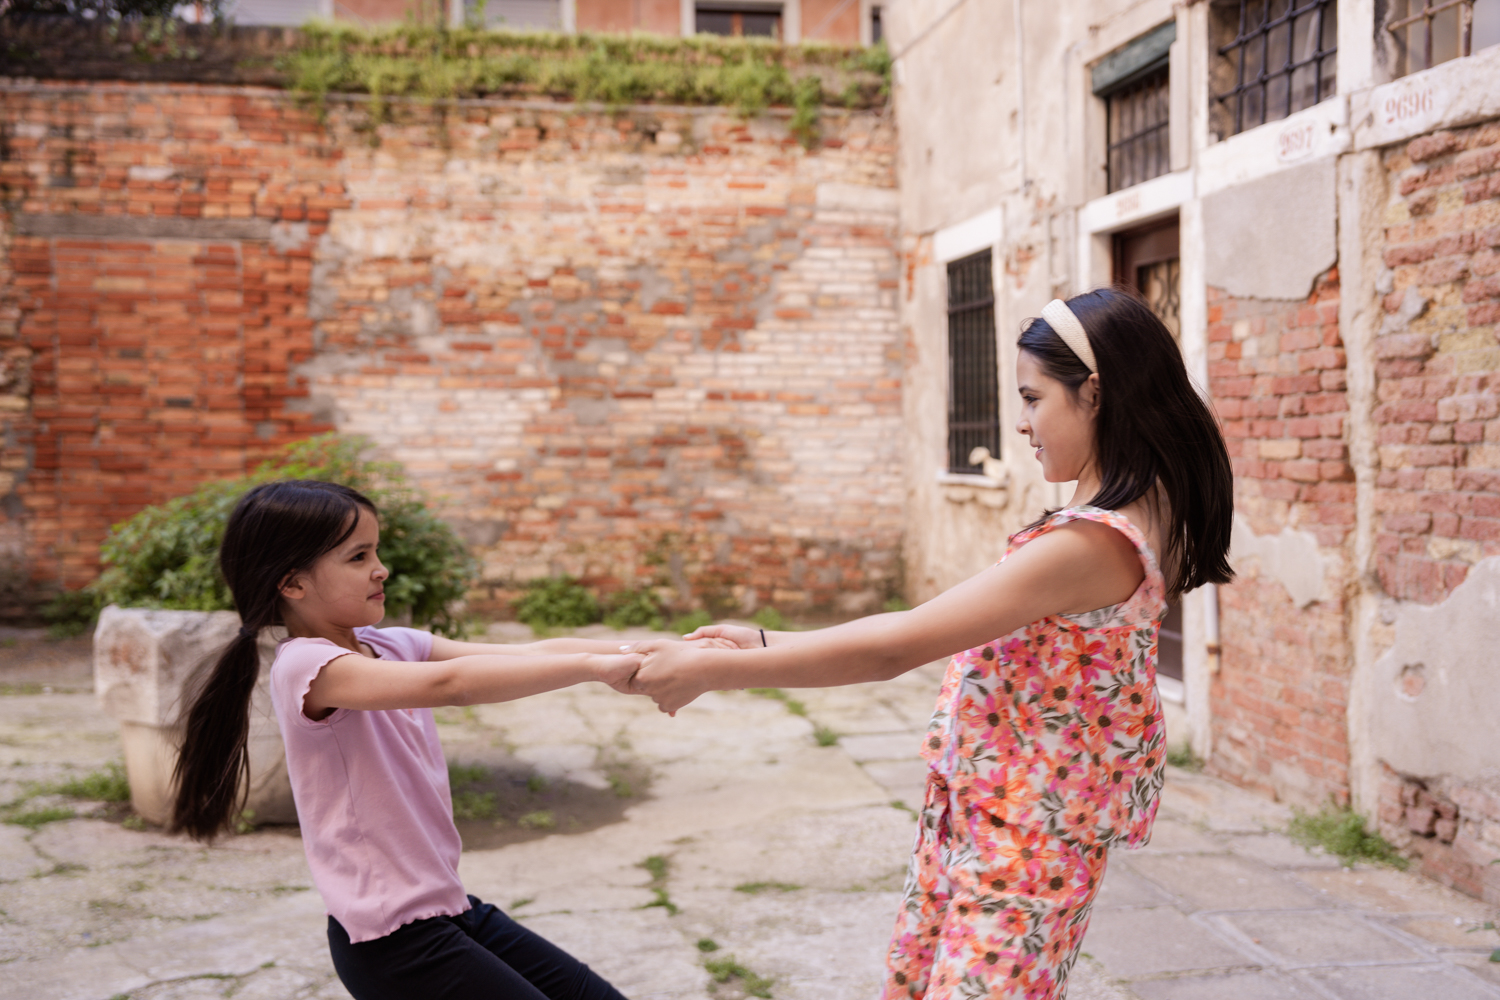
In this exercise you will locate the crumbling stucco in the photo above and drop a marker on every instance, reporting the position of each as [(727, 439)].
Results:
[(1271, 238), (1289, 557)]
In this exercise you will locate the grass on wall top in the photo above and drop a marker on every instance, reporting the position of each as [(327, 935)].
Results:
[(430, 63)]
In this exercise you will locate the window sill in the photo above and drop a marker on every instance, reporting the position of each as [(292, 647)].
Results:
[(1171, 689), (946, 478)]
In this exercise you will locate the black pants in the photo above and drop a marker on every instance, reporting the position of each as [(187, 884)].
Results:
[(480, 954)]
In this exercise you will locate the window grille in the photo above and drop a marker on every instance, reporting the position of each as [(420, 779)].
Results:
[(973, 380), (1428, 32), (747, 20), (1138, 136), (877, 29), (1161, 286), (1275, 57)]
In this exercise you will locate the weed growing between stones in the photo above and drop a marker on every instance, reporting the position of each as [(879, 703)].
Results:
[(727, 968), (826, 737), (1341, 831), (1182, 756), (639, 608), (899, 804), (707, 945), (683, 624), (35, 819), (540, 819), (657, 867), (792, 704), (108, 784), (770, 619), (755, 888)]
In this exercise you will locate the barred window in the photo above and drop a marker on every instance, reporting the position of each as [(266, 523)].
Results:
[(1135, 85), (749, 20), (1271, 58), (973, 380), (1428, 32), (1138, 137)]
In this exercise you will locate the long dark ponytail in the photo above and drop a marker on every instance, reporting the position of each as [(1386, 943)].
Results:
[(1153, 428), (276, 530)]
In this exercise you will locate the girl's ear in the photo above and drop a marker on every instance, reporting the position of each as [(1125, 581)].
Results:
[(1088, 393), (293, 587)]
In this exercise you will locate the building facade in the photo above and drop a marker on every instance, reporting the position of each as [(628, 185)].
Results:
[(1307, 194)]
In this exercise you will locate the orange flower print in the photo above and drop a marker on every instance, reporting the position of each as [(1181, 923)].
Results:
[(1050, 741)]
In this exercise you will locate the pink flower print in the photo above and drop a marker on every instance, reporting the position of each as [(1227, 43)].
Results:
[(984, 714)]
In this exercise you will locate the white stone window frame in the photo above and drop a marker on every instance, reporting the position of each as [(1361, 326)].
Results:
[(984, 231), (791, 20)]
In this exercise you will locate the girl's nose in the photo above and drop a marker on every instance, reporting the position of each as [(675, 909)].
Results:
[(380, 572)]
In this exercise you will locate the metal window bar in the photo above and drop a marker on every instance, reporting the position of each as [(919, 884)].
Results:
[(973, 380), (1427, 16), (1139, 138), (1268, 93)]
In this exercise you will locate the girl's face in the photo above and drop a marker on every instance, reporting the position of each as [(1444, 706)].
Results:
[(346, 586), (1059, 422)]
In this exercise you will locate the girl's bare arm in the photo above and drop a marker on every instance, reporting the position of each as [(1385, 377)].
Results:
[(444, 648), (361, 682), (1078, 567)]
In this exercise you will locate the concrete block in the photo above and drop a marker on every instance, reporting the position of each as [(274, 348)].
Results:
[(881, 746), (144, 661)]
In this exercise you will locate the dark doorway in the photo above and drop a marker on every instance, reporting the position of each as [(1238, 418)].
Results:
[(1148, 261)]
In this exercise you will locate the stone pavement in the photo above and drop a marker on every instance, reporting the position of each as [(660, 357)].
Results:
[(782, 855)]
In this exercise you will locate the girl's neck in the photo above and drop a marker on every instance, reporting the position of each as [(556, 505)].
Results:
[(298, 627), (1086, 488)]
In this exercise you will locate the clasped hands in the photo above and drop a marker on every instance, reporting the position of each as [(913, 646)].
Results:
[(674, 672)]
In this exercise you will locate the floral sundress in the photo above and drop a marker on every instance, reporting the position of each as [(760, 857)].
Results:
[(1046, 749)]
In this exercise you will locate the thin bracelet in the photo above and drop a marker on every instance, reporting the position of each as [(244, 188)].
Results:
[(763, 638)]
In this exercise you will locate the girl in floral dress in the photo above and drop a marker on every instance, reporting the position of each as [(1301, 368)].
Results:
[(1047, 745)]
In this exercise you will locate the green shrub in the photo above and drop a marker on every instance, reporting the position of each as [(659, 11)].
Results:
[(683, 624), (770, 619), (635, 609), (556, 602), (1341, 831), (167, 556)]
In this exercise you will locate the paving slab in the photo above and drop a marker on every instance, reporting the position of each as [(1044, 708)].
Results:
[(1318, 938), (903, 780), (1217, 806), (1234, 986), (1124, 889), (1280, 851), (1384, 890), (1175, 836), (1144, 942), (1221, 881), (881, 746), (1431, 982)]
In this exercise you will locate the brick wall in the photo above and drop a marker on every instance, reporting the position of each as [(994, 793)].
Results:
[(140, 365), (1438, 364), (647, 346), (1276, 374), (1437, 417)]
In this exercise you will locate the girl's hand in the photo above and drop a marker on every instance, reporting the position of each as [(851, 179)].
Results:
[(711, 642), (616, 669), (727, 636), (671, 673)]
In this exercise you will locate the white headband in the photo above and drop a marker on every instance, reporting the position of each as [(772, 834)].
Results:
[(1066, 325)]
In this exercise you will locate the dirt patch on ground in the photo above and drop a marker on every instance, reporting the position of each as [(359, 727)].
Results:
[(498, 800)]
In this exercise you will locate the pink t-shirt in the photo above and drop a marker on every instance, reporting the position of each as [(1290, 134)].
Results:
[(372, 794)]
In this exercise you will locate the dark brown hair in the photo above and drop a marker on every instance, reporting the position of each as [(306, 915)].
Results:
[(275, 531), (1153, 428)]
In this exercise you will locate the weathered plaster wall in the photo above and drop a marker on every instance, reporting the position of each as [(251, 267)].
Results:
[(648, 346)]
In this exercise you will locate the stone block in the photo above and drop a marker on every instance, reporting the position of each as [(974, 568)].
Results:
[(1235, 986), (1318, 938), (1142, 942), (145, 660), (1406, 983)]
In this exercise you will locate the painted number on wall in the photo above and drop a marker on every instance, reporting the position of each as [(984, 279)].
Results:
[(1409, 105), (1296, 141)]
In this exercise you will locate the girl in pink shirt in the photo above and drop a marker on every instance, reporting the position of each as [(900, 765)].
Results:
[(368, 774)]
